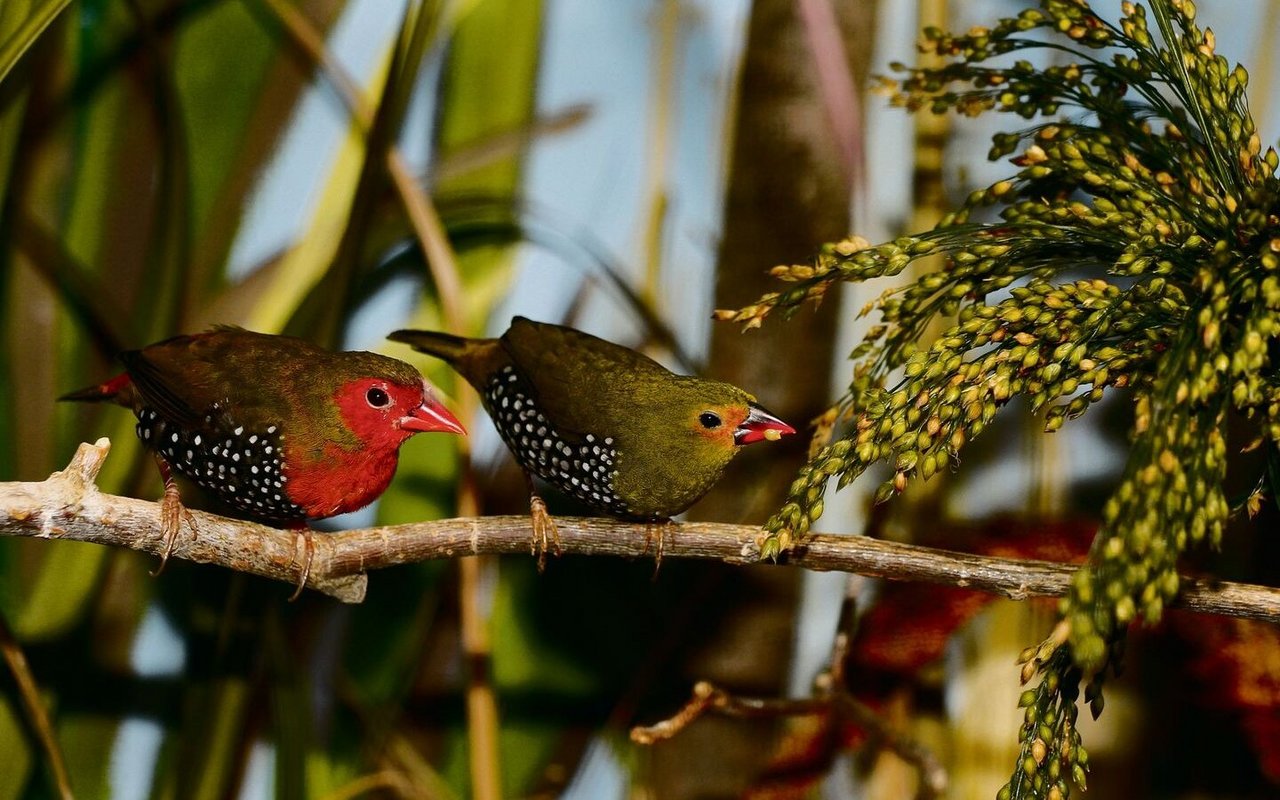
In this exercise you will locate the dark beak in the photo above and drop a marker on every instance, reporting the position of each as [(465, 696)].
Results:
[(760, 425), (431, 416)]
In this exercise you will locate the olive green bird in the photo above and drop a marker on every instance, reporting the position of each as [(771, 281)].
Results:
[(601, 422)]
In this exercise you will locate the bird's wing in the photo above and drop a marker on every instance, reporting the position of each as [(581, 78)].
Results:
[(183, 379), (580, 381), (162, 388)]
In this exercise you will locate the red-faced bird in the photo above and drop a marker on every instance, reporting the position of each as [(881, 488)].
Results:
[(273, 426), (601, 422)]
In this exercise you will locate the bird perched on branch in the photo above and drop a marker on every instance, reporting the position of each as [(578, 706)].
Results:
[(279, 429), (601, 422)]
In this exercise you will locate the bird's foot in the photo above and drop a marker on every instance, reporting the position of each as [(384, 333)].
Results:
[(172, 512), (309, 550), (545, 531), (655, 532)]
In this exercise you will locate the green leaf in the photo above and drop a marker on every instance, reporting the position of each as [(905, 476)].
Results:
[(19, 41), (68, 574), (17, 752), (11, 114), (220, 89), (85, 742)]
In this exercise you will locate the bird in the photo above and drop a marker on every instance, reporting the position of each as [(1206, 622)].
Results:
[(279, 429), (601, 422)]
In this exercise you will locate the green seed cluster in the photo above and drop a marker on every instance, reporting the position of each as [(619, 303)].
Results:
[(1051, 758), (1171, 497), (1135, 246)]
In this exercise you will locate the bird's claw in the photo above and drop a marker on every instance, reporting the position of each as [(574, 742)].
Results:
[(172, 512), (655, 534), (309, 547), (545, 532)]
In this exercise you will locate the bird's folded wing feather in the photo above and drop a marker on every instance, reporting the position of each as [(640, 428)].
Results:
[(581, 382), (179, 379), (161, 389)]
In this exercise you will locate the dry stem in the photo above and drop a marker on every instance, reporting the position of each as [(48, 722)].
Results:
[(69, 506), (34, 704), (831, 696)]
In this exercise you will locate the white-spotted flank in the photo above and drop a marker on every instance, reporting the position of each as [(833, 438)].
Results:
[(244, 471), (583, 466)]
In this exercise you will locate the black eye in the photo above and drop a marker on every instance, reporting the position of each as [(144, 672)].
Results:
[(709, 420), (377, 397)]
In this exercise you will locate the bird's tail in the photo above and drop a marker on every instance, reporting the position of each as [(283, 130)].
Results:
[(444, 346), (101, 392)]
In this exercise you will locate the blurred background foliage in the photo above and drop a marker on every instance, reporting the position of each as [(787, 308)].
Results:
[(622, 166)]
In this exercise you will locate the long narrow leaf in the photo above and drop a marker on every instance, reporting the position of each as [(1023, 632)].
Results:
[(13, 48)]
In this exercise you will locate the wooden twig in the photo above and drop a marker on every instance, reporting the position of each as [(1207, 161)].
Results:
[(69, 506), (708, 698), (388, 779), (831, 695)]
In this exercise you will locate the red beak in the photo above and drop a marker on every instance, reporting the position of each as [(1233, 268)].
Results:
[(431, 416), (760, 425)]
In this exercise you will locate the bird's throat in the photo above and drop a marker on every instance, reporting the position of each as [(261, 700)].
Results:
[(340, 480)]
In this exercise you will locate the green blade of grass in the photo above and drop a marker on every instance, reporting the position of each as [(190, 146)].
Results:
[(18, 759), (28, 33)]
